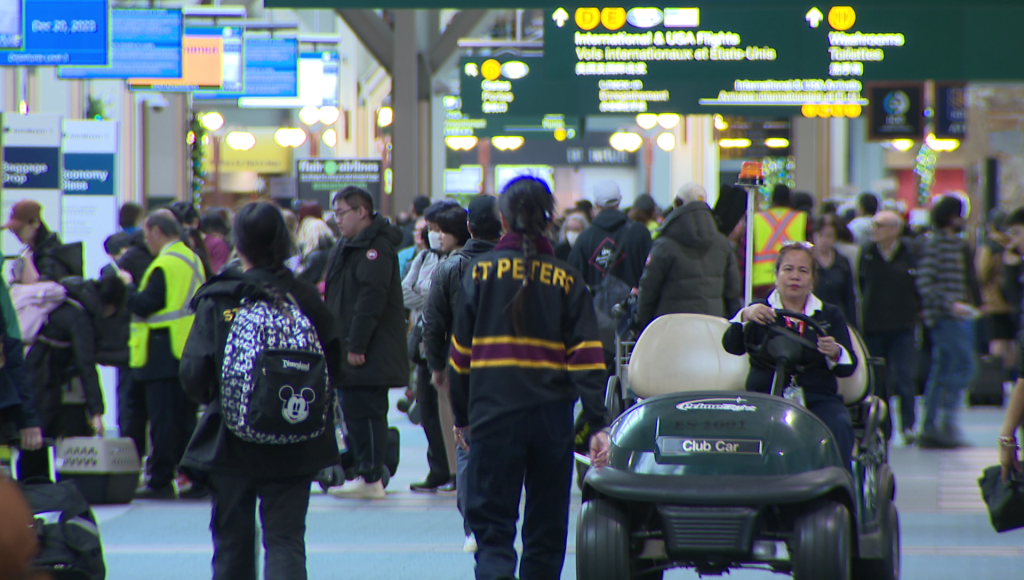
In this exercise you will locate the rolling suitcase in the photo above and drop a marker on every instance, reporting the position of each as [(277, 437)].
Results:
[(987, 386)]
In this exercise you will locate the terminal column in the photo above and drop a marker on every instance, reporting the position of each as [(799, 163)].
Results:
[(405, 97), (695, 157)]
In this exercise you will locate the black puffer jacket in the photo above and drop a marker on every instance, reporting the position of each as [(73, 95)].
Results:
[(817, 376), (311, 271), (596, 245), (137, 257), (213, 447), (55, 260), (364, 293), (445, 291), (64, 349), (691, 269)]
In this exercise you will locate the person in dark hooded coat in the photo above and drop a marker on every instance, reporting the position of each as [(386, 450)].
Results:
[(241, 472), (691, 268), (613, 244), (68, 347)]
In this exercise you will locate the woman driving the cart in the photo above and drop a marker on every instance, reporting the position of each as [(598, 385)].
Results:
[(809, 323)]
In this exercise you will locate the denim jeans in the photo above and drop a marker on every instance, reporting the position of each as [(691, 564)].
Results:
[(462, 465), (953, 367), (900, 354)]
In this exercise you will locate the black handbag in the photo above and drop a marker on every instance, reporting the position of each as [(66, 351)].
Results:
[(1005, 501)]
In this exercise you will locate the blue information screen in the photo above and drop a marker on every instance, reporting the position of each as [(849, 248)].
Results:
[(11, 25), (59, 32), (330, 79), (271, 70), (146, 43)]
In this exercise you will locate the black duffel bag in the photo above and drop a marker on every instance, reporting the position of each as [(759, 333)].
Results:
[(1005, 500), (69, 538)]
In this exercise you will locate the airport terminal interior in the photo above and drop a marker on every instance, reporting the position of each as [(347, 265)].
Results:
[(878, 110)]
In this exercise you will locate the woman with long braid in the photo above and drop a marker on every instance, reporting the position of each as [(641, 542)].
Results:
[(525, 345)]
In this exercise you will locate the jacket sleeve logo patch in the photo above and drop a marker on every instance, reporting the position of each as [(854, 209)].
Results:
[(371, 254)]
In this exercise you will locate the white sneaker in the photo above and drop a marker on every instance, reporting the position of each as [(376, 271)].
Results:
[(470, 546), (359, 489)]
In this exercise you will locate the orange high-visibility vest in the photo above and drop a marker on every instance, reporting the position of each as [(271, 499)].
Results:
[(773, 229)]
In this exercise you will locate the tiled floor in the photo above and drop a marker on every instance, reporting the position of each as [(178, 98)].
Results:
[(945, 529)]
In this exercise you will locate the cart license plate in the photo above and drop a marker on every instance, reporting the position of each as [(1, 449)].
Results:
[(690, 445)]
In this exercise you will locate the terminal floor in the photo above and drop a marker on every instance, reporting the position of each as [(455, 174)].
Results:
[(945, 529)]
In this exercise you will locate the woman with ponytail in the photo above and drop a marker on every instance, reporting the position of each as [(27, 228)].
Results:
[(240, 471), (525, 345)]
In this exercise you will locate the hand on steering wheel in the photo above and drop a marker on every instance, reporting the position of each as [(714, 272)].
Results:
[(759, 313), (765, 315)]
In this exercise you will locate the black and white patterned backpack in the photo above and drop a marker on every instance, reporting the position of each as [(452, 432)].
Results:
[(274, 376)]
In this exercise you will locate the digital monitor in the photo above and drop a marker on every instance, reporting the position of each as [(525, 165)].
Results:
[(12, 35), (318, 85), (146, 43), (59, 32), (271, 70), (504, 174), (211, 59)]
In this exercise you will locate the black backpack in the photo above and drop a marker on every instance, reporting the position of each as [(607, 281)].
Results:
[(69, 539), (609, 293)]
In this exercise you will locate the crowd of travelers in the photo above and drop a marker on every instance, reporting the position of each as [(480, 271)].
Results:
[(495, 318)]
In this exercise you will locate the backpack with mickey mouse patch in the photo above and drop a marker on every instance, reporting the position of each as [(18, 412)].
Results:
[(274, 376)]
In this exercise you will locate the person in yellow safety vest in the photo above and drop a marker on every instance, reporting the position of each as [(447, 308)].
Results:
[(773, 229), (161, 320)]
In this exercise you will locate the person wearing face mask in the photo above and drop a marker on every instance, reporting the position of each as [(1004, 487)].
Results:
[(575, 223), (416, 290), (949, 290), (406, 256), (795, 271)]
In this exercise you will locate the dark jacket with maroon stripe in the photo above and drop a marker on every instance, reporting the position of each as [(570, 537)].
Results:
[(555, 356)]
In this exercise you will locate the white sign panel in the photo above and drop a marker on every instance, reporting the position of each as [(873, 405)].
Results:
[(90, 137), (31, 130), (90, 219)]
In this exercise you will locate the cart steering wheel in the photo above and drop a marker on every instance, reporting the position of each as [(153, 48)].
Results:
[(778, 328)]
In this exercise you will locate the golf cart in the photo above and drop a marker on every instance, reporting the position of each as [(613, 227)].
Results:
[(705, 475)]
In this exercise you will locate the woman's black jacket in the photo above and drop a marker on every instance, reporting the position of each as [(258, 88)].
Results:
[(834, 285), (213, 447), (816, 377), (313, 264)]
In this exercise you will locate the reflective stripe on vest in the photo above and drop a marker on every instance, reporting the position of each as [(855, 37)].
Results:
[(184, 310), (775, 227), (175, 316), (768, 253)]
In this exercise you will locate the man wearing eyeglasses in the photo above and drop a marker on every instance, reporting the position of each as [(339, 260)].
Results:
[(364, 293), (891, 308)]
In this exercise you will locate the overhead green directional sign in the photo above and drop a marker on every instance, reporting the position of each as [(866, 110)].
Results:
[(506, 4), (490, 93), (716, 41)]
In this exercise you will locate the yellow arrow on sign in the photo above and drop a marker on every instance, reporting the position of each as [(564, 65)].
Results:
[(814, 17)]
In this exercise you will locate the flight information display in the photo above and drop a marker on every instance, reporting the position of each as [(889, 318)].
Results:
[(57, 32), (271, 70), (146, 43), (211, 58), (11, 25), (633, 59), (317, 85)]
